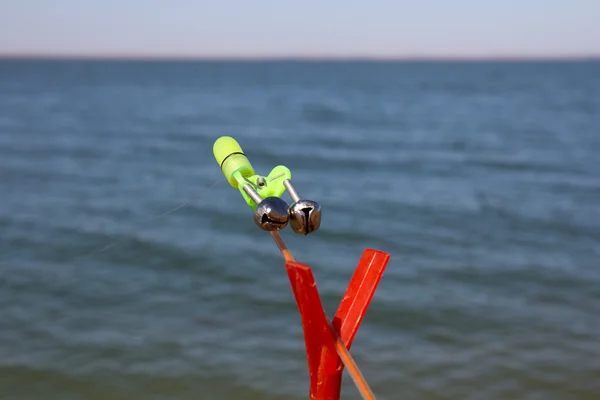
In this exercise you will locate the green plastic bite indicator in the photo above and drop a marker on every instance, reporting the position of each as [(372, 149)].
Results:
[(239, 172)]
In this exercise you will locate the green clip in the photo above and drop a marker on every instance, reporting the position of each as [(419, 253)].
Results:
[(265, 186), (239, 172)]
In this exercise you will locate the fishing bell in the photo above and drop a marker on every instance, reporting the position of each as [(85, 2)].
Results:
[(305, 216), (271, 214)]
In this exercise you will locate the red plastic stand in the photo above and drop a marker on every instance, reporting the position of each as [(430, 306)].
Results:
[(324, 364)]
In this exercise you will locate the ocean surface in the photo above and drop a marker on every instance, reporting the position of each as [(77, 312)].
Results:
[(130, 269)]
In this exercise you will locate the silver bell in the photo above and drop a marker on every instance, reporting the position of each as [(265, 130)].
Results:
[(271, 214), (305, 216)]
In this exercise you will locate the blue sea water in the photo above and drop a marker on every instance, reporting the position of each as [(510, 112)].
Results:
[(126, 273)]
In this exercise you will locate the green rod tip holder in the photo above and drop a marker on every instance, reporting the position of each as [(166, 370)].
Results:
[(231, 159)]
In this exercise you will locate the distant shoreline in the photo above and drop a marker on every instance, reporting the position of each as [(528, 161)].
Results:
[(290, 58)]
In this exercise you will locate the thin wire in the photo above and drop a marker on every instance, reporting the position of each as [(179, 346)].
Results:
[(115, 243), (151, 218), (342, 350), (137, 228)]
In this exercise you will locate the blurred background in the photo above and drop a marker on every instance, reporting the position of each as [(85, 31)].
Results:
[(462, 138)]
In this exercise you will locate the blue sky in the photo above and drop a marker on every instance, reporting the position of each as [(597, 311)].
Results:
[(280, 28)]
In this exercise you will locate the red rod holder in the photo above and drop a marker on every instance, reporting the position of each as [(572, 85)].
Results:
[(324, 364)]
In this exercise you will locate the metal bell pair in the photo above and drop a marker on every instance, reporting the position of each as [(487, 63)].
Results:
[(274, 214)]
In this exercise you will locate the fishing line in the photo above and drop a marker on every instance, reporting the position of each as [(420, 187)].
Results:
[(149, 219), (137, 229)]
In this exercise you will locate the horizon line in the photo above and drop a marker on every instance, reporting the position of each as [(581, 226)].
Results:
[(291, 57)]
